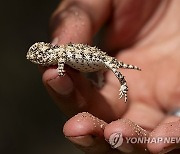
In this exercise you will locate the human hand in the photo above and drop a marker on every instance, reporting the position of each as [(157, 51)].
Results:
[(150, 42)]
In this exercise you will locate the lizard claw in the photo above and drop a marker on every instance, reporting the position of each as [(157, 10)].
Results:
[(61, 72), (123, 92)]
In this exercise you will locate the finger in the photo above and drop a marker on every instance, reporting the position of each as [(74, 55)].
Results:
[(74, 93), (120, 132), (144, 115), (78, 20), (86, 132), (129, 22), (167, 135), (63, 91)]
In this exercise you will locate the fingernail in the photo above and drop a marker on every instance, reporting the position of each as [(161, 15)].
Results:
[(55, 41), (84, 141), (117, 142), (61, 85)]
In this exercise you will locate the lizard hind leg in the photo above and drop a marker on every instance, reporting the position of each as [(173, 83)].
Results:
[(124, 88), (113, 66)]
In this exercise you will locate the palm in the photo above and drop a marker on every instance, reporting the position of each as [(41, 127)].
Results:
[(153, 87)]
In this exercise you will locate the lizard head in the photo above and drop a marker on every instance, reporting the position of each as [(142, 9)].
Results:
[(42, 53)]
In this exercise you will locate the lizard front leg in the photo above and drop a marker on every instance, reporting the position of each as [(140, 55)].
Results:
[(61, 62)]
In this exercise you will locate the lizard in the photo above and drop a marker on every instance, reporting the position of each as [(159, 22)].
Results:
[(81, 57)]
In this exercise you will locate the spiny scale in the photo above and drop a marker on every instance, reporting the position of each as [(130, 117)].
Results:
[(80, 57)]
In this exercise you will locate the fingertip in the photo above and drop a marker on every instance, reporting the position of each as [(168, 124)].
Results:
[(48, 73), (165, 137), (115, 133), (79, 18), (86, 132), (60, 85), (69, 23), (78, 131), (120, 132), (122, 125), (77, 127), (84, 124)]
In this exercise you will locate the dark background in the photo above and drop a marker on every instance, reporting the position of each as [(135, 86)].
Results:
[(29, 121)]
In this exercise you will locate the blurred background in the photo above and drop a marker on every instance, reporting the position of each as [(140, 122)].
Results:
[(30, 123)]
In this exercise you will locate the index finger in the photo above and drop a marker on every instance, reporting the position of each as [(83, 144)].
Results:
[(78, 20)]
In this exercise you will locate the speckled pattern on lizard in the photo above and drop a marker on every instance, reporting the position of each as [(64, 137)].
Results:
[(81, 57)]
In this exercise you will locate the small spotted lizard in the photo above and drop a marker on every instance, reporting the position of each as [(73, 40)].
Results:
[(80, 57)]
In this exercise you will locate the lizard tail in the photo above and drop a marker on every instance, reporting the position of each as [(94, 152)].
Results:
[(128, 66)]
